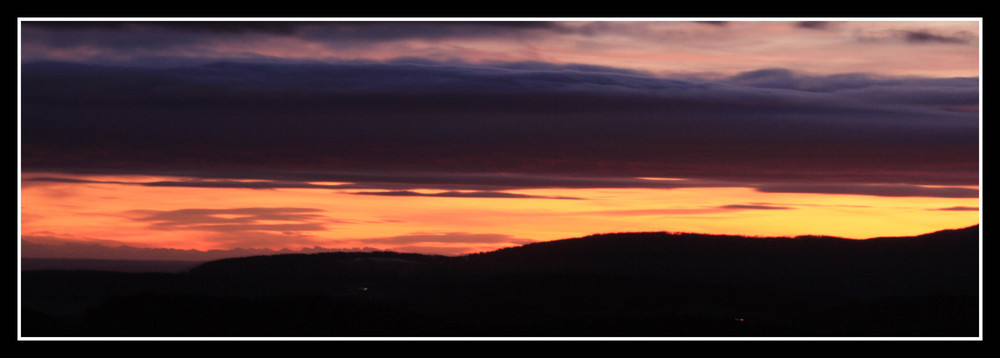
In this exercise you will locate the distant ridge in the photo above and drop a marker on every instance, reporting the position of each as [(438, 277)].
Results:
[(968, 232), (648, 244), (625, 284), (317, 264), (655, 246), (35, 264), (938, 262), (934, 261)]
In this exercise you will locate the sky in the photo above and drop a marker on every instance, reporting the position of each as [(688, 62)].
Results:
[(199, 139)]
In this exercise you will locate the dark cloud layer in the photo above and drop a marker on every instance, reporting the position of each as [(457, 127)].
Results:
[(282, 121), (144, 40), (372, 29), (274, 27), (395, 183), (494, 185)]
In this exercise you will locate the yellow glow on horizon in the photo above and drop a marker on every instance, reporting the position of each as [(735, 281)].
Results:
[(118, 214)]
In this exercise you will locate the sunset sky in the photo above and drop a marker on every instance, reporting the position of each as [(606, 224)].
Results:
[(198, 139)]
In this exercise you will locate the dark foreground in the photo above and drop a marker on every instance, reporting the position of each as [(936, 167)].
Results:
[(616, 285)]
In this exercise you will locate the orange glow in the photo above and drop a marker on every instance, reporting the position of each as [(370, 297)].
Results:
[(219, 218)]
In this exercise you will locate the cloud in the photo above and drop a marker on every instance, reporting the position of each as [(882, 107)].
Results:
[(393, 182), (817, 25), (524, 118), (714, 23), (189, 183), (958, 208), (274, 27), (925, 36), (938, 93), (754, 207), (686, 211), (890, 190), (487, 185), (463, 194), (251, 227), (493, 185), (145, 42), (362, 31), (918, 36), (235, 219)]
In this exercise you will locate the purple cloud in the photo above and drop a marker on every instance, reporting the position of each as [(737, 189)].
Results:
[(273, 120)]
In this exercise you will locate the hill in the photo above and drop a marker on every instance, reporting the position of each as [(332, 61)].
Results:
[(37, 264), (627, 284)]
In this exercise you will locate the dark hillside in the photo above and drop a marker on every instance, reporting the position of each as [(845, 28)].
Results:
[(937, 263), (38, 264), (313, 263), (629, 284)]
